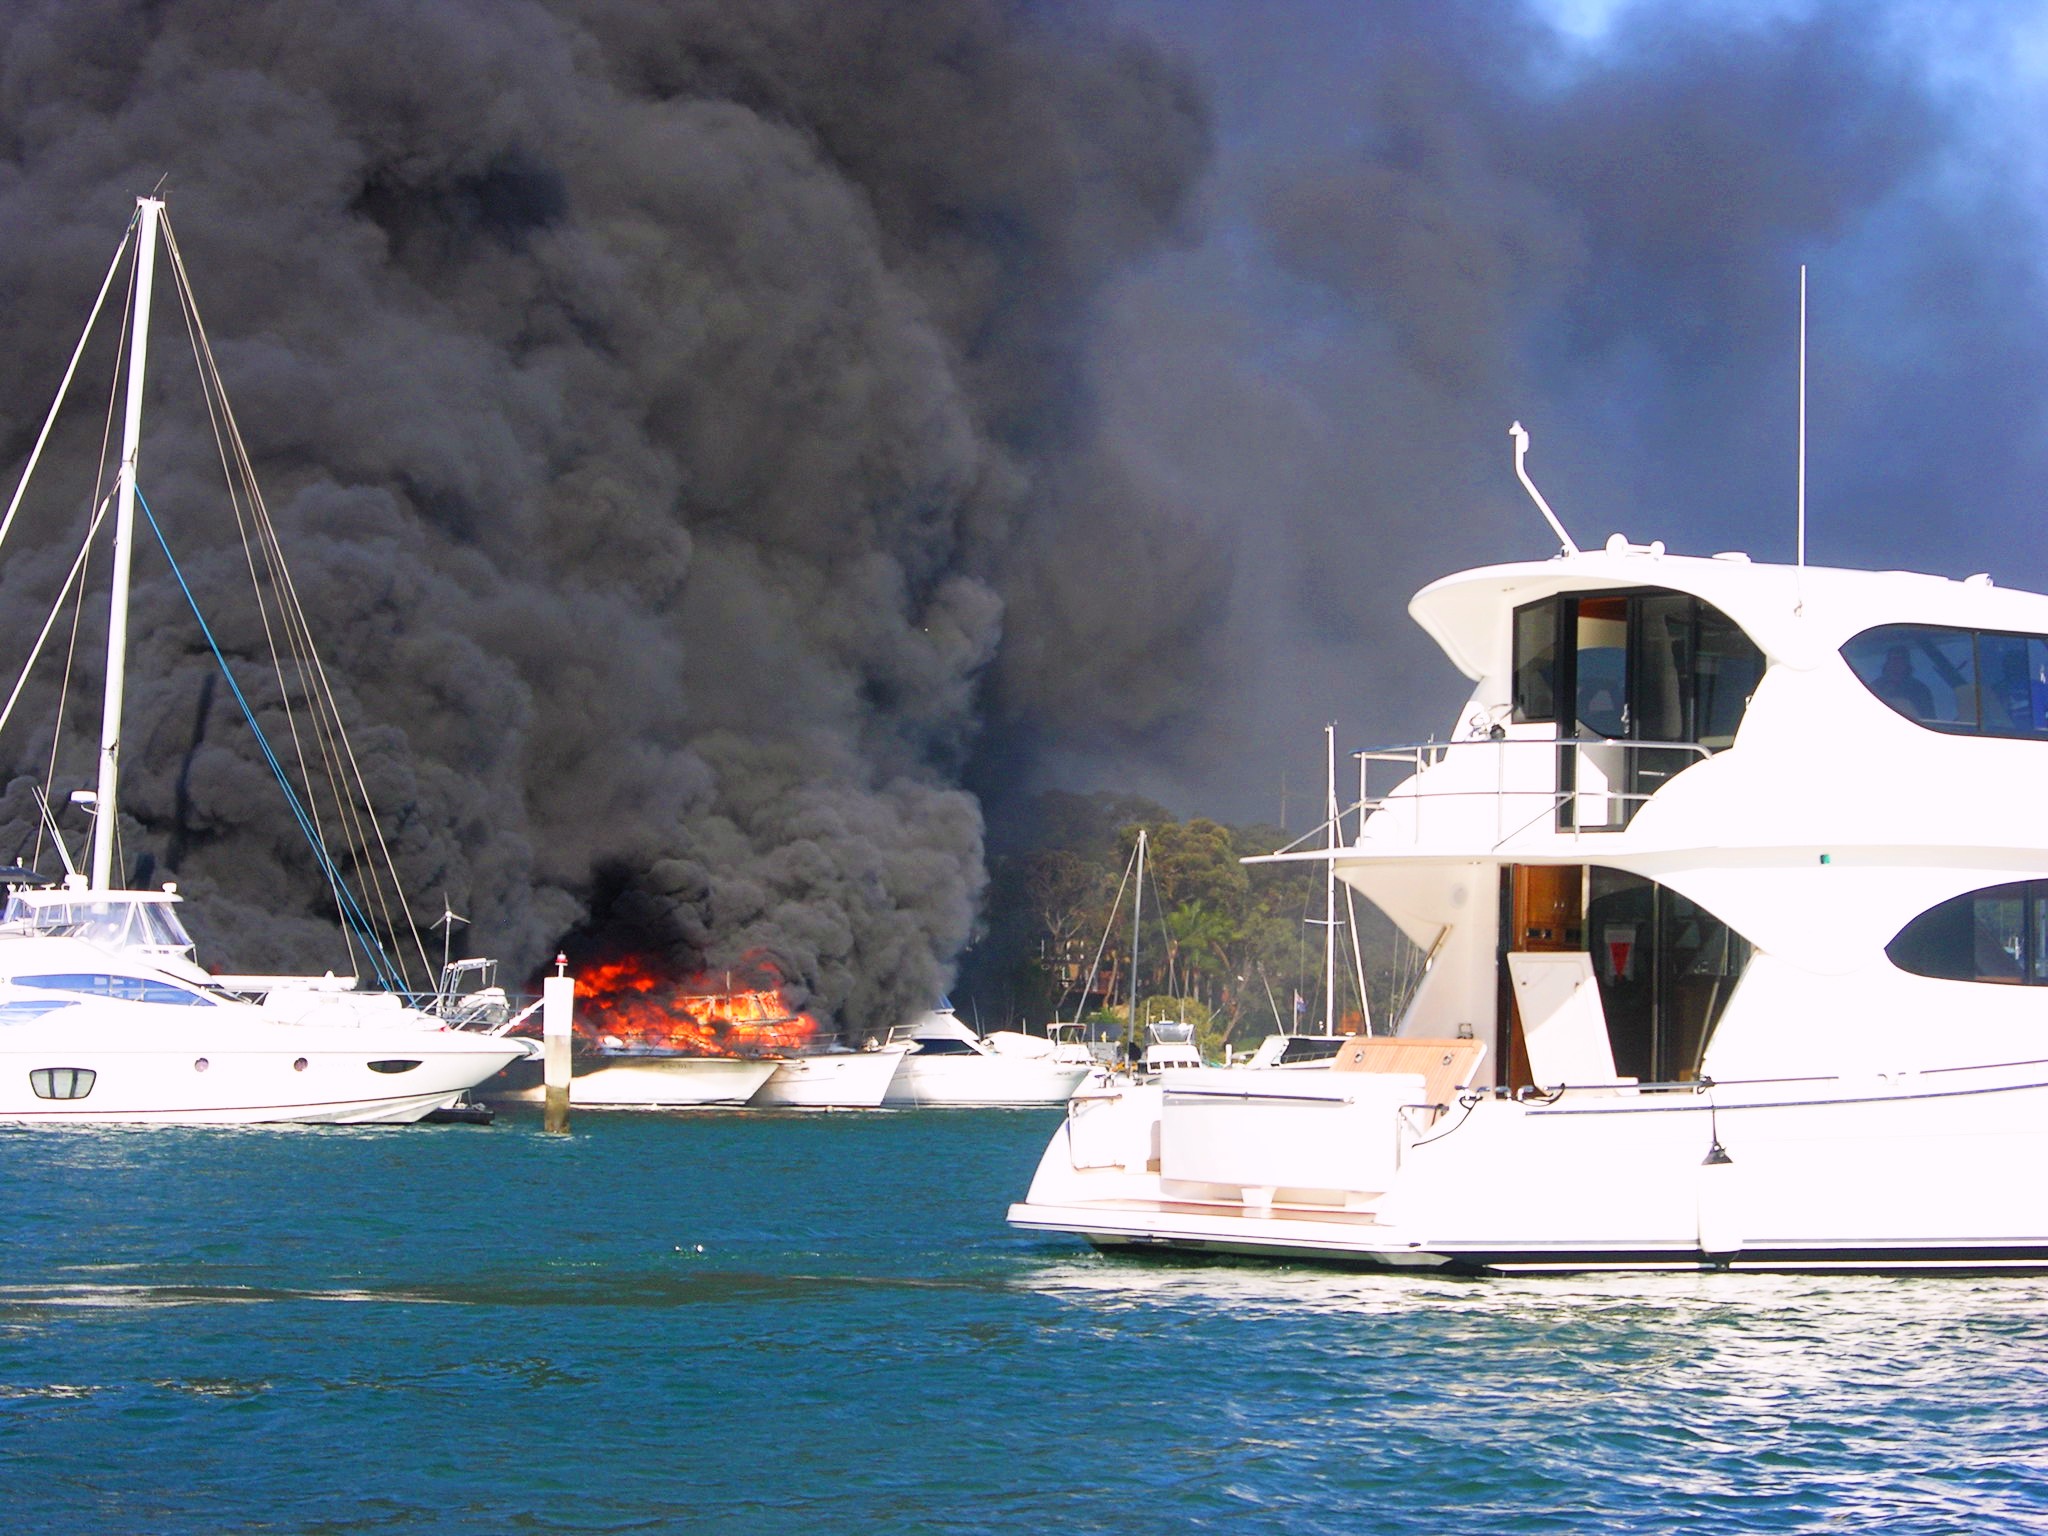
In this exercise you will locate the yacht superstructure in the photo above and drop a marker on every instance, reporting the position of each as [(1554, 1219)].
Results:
[(1734, 882)]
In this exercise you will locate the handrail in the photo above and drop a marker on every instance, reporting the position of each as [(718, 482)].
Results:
[(1422, 756)]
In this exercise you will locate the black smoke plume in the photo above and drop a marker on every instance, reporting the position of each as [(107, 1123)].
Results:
[(1429, 218), (676, 417)]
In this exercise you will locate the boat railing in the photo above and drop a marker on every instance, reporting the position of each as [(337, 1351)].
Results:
[(1617, 769)]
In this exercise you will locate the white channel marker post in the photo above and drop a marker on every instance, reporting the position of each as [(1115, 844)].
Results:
[(558, 1005)]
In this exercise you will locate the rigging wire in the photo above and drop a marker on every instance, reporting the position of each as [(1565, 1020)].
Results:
[(1114, 908), (351, 911), (63, 595), (1165, 933), (49, 421), (354, 809), (238, 480), (355, 813), (46, 823)]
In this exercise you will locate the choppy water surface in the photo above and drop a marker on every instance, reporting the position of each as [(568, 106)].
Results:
[(748, 1322)]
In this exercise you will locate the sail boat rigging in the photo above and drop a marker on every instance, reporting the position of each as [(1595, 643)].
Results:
[(104, 979)]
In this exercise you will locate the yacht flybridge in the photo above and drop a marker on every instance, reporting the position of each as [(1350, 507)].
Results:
[(105, 1014), (1733, 880)]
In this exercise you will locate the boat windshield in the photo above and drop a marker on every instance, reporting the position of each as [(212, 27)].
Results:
[(114, 920)]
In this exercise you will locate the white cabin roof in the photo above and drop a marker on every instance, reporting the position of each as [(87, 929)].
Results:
[(1797, 616)]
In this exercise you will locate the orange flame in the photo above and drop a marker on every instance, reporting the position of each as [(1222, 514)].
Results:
[(630, 1002)]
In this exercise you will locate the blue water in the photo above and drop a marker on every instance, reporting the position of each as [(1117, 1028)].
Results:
[(740, 1322)]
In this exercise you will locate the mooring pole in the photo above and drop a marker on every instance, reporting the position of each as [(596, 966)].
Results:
[(558, 1005)]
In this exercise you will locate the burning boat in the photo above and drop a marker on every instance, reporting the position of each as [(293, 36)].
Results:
[(647, 1040)]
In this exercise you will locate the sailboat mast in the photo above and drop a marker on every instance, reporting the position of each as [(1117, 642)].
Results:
[(1137, 922), (1330, 888), (107, 812)]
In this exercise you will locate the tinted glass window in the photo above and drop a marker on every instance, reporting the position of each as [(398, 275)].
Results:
[(1925, 672), (133, 989), (1727, 666), (1602, 665), (1999, 934), (1536, 662), (2012, 684), (1310, 1048), (1663, 660)]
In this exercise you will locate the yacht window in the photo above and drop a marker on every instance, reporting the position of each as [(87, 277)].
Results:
[(945, 1048), (1535, 661), (1998, 934), (1652, 665), (1664, 644), (1727, 666), (1602, 665), (1310, 1048), (2012, 684), (62, 1082), (1926, 672), (132, 989), (161, 925)]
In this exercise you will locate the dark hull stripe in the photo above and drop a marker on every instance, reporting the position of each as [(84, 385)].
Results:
[(1960, 1259)]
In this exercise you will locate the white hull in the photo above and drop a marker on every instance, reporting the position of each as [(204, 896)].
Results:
[(831, 1080), (666, 1082), (1930, 1171), (992, 1081), (150, 1072)]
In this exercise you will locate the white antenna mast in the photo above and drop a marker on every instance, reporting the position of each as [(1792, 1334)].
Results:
[(1521, 436), (1137, 927), (446, 923), (107, 819), (1802, 414), (1330, 889)]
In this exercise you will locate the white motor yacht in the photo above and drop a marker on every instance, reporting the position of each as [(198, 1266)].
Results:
[(1170, 1046), (1733, 879), (948, 1064), (94, 1035), (834, 1078), (108, 1016)]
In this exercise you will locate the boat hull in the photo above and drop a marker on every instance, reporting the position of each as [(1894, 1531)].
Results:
[(245, 1075), (604, 1080), (990, 1082), (1923, 1173), (831, 1080)]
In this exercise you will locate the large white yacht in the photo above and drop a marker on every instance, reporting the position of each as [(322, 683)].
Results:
[(1733, 880), (94, 1031)]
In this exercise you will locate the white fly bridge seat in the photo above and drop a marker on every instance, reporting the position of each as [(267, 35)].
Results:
[(1564, 1027)]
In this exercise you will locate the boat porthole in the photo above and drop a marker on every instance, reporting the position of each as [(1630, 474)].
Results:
[(200, 1065), (299, 1065), (392, 1066)]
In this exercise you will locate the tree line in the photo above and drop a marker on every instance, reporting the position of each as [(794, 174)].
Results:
[(1236, 949)]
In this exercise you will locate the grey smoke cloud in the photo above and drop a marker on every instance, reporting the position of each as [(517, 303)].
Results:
[(676, 417)]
